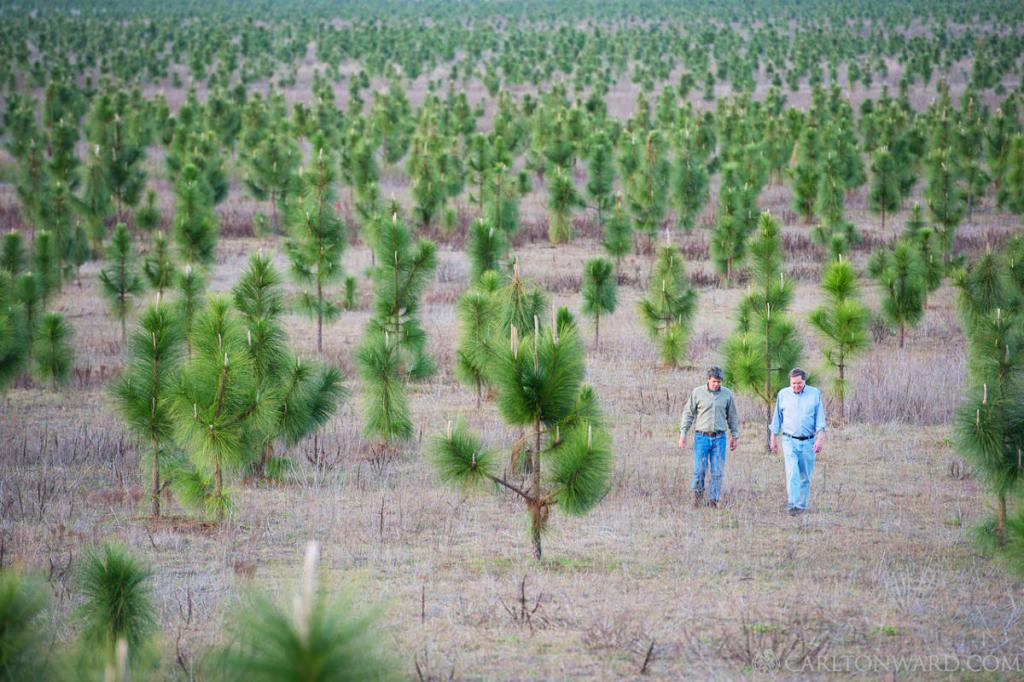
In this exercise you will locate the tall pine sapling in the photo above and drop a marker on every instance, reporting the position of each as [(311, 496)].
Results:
[(765, 345), (667, 312), (599, 290), (145, 388), (52, 350), (120, 281), (317, 239), (843, 321), (900, 272)]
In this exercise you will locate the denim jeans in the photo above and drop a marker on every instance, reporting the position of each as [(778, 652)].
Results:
[(799, 461), (708, 449)]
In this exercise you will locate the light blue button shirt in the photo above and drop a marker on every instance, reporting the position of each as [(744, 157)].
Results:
[(798, 414)]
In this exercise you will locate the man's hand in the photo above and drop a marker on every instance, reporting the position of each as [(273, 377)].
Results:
[(773, 444), (682, 441), (819, 443), (732, 442)]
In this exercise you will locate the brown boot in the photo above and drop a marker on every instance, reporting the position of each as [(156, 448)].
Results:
[(698, 498)]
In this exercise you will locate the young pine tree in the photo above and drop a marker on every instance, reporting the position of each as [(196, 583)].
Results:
[(884, 194), (385, 405), (14, 332), (842, 321), (486, 248), (158, 266), (118, 604), (27, 642), (145, 388), (403, 271), (900, 272), (618, 232), (120, 281), (478, 312), (667, 313), (190, 289), (309, 637), (601, 175), (540, 387), (501, 200), (316, 242), (52, 350), (301, 395), (562, 200), (216, 406), (689, 186), (599, 292), (945, 196), (195, 226), (12, 254), (765, 345), (989, 424)]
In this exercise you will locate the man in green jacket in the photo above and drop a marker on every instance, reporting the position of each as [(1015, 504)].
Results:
[(710, 409)]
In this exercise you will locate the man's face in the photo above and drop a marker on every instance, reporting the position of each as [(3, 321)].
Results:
[(714, 383), (797, 384)]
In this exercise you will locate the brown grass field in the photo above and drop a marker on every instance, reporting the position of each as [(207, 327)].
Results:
[(883, 566)]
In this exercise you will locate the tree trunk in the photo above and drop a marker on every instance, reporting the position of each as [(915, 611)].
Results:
[(535, 511), (841, 395), (903, 333), (319, 319), (218, 490), (479, 391), (1001, 520), (155, 508), (597, 330), (883, 220)]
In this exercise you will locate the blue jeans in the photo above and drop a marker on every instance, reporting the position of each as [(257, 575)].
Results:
[(798, 456), (708, 449)]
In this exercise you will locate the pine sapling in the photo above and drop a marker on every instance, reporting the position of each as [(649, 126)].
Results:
[(120, 281), (599, 292), (52, 350)]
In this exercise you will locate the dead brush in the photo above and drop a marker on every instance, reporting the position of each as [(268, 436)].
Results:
[(764, 646), (522, 611)]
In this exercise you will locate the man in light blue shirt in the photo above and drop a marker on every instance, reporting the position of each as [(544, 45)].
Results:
[(800, 417)]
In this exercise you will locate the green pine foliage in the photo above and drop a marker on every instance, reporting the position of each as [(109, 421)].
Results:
[(120, 281), (735, 219), (12, 254), (95, 204), (539, 379), (667, 312), (900, 271), (14, 332), (144, 390), (24, 638), (46, 263), (563, 198), (158, 266), (385, 403), (842, 320), (52, 350), (118, 604), (946, 199), (270, 170), (519, 303), (600, 174), (317, 240), (403, 271), (218, 403), (806, 172), (600, 292), (311, 637), (646, 189), (148, 216), (501, 200), (195, 227), (300, 395), (884, 195), (190, 290), (618, 232), (486, 247), (690, 184), (990, 422), (478, 313), (765, 345)]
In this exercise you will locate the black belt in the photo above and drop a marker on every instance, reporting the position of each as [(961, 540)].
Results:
[(713, 434), (789, 435)]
